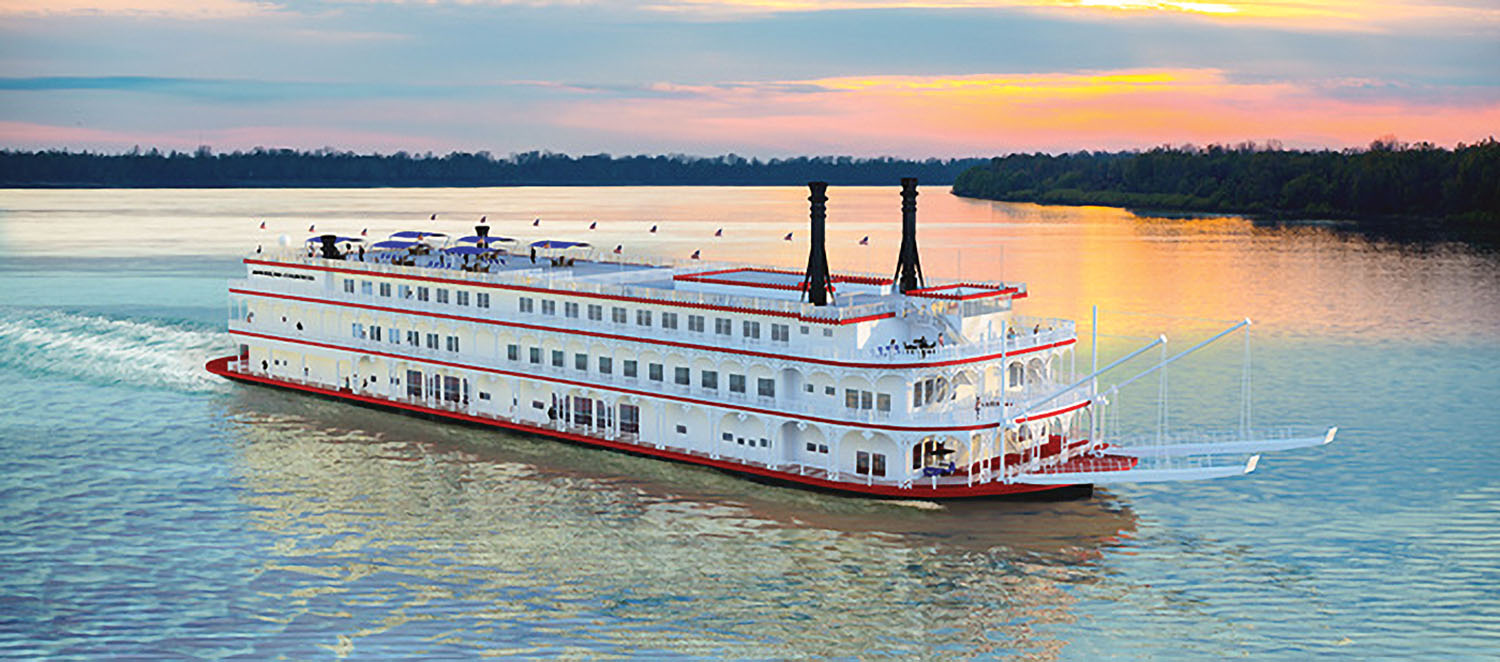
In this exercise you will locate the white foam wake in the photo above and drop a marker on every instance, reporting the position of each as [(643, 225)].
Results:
[(110, 350)]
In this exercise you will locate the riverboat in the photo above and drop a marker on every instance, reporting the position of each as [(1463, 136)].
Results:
[(901, 386)]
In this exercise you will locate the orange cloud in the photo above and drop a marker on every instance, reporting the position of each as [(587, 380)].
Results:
[(983, 114)]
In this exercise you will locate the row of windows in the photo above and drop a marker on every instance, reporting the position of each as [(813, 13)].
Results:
[(729, 438), (604, 365), (421, 293), (667, 320), (413, 338)]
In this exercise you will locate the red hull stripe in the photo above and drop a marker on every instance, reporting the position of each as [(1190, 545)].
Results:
[(220, 367), (1050, 414), (615, 389), (585, 295), (648, 341)]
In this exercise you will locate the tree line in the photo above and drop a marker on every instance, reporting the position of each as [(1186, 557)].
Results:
[(327, 167), (1388, 181)]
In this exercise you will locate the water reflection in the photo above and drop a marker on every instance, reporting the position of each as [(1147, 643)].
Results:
[(396, 530)]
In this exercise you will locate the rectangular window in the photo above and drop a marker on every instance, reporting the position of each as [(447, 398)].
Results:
[(535, 355), (862, 463), (765, 387), (549, 307), (630, 419), (617, 315), (424, 293), (452, 343), (827, 333), (394, 334), (403, 291), (723, 326), (653, 372), (727, 436), (484, 395), (570, 310), (681, 376), (463, 298), (804, 329), (916, 395), (828, 390), (695, 323), (432, 341), (414, 384), (413, 338), (781, 333), (385, 289), (366, 287), (866, 399), (557, 358), (580, 361), (877, 464), (450, 389), (751, 329), (681, 429), (851, 398), (442, 295), (606, 365), (882, 402), (358, 330), (513, 352), (628, 367), (375, 333), (527, 304), (736, 383), (643, 318), (816, 448), (669, 320), (709, 379), (349, 285), (596, 312), (482, 300)]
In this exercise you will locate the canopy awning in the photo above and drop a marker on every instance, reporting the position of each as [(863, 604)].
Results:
[(476, 239), (553, 243), (416, 234), (340, 240), (396, 244), (465, 250)]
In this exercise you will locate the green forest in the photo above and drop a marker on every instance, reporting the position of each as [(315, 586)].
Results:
[(330, 168), (1386, 182)]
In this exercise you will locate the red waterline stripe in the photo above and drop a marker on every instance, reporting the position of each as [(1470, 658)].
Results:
[(648, 394), (647, 341), (587, 295), (1050, 414), (220, 367)]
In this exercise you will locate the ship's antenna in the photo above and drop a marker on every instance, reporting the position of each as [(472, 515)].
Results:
[(908, 264)]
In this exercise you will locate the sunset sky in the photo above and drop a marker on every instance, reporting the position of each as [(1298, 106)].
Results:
[(912, 78)]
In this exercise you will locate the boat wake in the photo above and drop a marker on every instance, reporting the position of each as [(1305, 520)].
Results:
[(108, 350)]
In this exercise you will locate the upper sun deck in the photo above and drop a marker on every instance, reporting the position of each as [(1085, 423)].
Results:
[(744, 288)]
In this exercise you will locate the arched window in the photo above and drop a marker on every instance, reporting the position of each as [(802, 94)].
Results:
[(1017, 377)]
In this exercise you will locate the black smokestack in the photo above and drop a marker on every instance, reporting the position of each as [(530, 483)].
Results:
[(816, 283), (330, 247), (908, 264), (482, 231)]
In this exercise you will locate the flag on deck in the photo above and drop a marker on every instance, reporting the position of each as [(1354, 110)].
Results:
[(695, 255), (365, 232), (536, 222), (484, 219), (262, 225), (788, 237), (719, 232), (865, 241), (619, 248), (310, 229), (653, 229), (594, 225), (434, 217)]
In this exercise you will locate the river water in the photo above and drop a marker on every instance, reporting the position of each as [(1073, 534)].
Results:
[(151, 511)]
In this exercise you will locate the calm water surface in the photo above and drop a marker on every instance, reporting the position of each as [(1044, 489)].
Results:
[(150, 511)]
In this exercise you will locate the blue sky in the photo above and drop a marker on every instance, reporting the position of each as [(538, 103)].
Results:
[(865, 77)]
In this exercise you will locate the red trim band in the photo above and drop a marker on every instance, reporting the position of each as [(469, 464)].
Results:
[(648, 341), (616, 389), (220, 367)]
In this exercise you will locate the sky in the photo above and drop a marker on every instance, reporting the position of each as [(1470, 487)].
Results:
[(764, 78)]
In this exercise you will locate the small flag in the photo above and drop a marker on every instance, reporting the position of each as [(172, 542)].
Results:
[(619, 248), (865, 241), (365, 232), (594, 225), (695, 255), (788, 237), (262, 225), (310, 229), (434, 217), (483, 219), (653, 229), (719, 232), (536, 222)]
